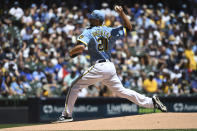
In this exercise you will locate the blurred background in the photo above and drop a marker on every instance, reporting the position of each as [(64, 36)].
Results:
[(159, 55)]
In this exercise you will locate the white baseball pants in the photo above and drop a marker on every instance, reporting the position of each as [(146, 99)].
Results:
[(106, 73)]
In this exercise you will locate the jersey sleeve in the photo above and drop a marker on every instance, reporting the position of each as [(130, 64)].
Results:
[(119, 32), (84, 38)]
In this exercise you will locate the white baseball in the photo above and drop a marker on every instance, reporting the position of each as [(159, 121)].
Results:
[(116, 7)]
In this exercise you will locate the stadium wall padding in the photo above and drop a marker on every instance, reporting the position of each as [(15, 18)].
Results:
[(33, 110), (13, 115)]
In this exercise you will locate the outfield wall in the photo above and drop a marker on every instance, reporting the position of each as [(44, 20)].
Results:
[(48, 109)]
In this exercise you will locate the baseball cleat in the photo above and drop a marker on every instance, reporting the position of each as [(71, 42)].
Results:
[(158, 104), (63, 119)]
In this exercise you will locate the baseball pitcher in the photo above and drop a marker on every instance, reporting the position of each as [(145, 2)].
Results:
[(100, 40)]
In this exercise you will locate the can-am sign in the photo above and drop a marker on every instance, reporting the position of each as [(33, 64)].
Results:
[(181, 107), (48, 109), (85, 108)]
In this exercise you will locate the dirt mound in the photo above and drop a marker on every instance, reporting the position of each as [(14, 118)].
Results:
[(146, 121)]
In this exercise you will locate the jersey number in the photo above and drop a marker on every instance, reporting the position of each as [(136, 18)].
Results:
[(103, 44)]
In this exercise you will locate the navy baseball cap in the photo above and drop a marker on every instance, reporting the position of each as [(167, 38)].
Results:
[(97, 14)]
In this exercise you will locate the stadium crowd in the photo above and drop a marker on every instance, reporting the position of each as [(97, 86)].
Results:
[(159, 55)]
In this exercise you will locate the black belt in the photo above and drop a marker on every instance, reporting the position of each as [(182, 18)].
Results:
[(103, 60)]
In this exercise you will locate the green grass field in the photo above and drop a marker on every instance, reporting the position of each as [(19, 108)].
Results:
[(14, 125), (17, 125)]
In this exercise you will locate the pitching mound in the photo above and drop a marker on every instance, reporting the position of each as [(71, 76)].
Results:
[(147, 121)]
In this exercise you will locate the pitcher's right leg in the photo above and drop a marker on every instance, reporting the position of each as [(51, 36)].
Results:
[(115, 85)]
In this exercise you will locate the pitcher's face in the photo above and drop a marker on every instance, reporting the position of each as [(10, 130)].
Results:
[(95, 22)]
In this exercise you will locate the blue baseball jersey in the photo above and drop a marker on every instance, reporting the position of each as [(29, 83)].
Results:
[(100, 40)]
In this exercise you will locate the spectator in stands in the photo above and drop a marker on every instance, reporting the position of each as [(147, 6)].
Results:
[(4, 89), (63, 72), (27, 19), (15, 88), (190, 56), (137, 83), (36, 42), (165, 88), (73, 75), (194, 83), (24, 84), (150, 84), (126, 83), (27, 73), (16, 11), (83, 92), (185, 84), (38, 74), (92, 91), (176, 87), (49, 68)]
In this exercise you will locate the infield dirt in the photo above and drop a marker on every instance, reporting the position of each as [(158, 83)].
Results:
[(146, 121)]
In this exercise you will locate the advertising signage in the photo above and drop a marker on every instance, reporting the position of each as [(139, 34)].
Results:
[(49, 109)]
